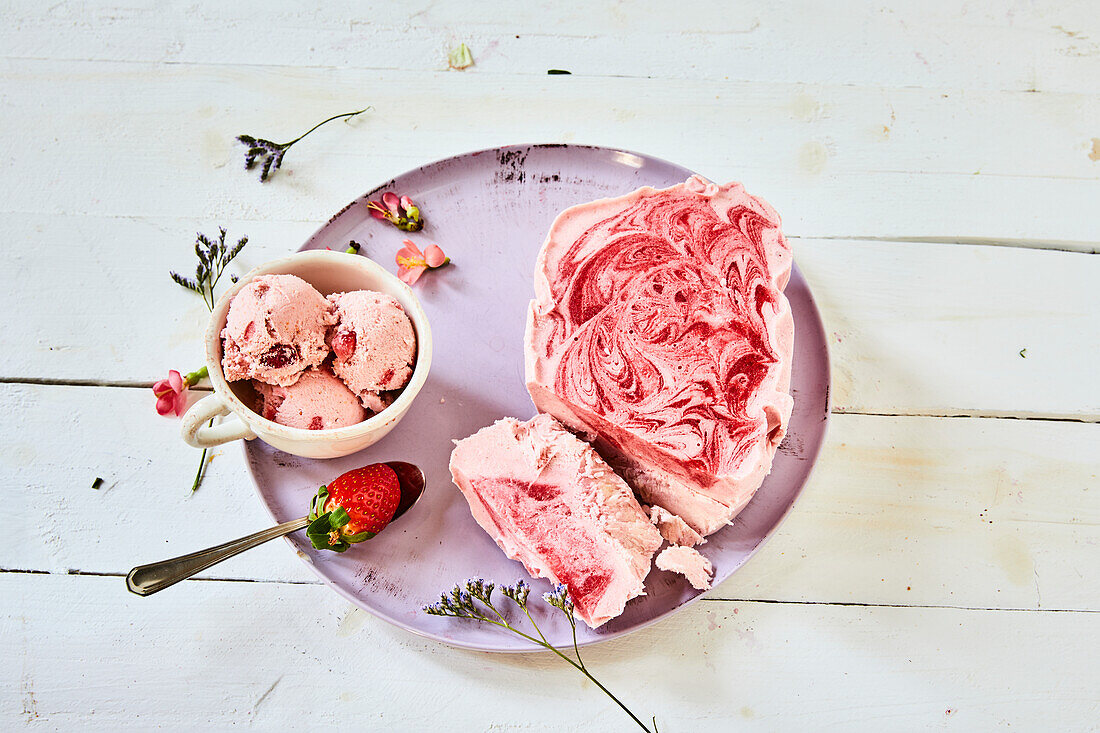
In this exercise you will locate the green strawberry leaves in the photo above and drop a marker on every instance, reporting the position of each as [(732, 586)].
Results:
[(325, 527)]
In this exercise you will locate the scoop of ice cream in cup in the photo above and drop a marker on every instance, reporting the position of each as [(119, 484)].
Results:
[(275, 369)]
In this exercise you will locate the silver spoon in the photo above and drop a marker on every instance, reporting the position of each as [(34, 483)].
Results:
[(146, 580)]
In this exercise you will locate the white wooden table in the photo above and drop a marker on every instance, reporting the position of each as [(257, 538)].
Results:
[(938, 171)]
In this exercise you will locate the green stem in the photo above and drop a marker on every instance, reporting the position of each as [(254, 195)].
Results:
[(576, 649), (506, 625), (618, 701), (498, 613), (546, 643), (503, 623), (194, 377), (202, 463), (218, 276), (330, 119), (579, 666)]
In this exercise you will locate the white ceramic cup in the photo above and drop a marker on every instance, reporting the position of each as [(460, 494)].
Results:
[(329, 272)]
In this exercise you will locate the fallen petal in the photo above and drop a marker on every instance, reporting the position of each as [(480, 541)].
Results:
[(460, 57)]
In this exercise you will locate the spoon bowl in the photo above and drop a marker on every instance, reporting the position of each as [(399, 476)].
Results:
[(411, 479), (145, 580)]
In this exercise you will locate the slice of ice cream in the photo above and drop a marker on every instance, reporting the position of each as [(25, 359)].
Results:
[(275, 329), (687, 562), (551, 502), (674, 529), (659, 329), (374, 345), (317, 401)]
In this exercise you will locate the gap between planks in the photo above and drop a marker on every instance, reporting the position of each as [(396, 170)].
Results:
[(770, 601), (983, 414), (1053, 245), (534, 73), (1086, 247)]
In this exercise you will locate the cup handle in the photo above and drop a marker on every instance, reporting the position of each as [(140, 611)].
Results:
[(197, 433)]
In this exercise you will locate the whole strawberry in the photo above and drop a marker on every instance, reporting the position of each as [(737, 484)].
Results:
[(354, 507)]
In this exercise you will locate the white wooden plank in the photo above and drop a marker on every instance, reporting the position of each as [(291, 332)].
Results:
[(145, 511), (953, 329), (108, 310), (82, 652), (979, 513), (990, 46), (913, 328), (835, 160)]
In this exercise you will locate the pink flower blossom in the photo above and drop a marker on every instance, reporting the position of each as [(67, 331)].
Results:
[(399, 211), (411, 262), (172, 392)]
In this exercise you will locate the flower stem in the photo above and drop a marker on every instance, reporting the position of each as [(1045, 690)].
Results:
[(579, 666), (576, 649), (193, 378), (330, 119), (464, 604), (545, 643), (202, 462), (509, 627)]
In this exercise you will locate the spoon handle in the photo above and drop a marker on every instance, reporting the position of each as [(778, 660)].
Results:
[(146, 580)]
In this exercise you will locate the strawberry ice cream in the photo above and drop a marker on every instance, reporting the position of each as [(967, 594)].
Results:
[(549, 501), (317, 401), (374, 345), (275, 329), (672, 528), (659, 329), (687, 562)]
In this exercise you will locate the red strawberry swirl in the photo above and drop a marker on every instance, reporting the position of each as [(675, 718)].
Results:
[(661, 322)]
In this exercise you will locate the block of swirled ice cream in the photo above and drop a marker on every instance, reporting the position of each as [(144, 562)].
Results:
[(317, 401), (659, 329), (549, 501), (374, 345), (275, 329)]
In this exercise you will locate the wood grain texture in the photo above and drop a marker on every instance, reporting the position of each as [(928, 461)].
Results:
[(977, 513), (717, 666), (1035, 48), (836, 161)]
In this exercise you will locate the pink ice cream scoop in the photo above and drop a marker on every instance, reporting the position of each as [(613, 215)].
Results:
[(317, 401), (275, 330), (373, 344)]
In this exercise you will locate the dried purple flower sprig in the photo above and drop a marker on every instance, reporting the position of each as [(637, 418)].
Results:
[(463, 602), (214, 257), (270, 155)]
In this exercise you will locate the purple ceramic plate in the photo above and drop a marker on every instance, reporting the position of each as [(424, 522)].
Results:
[(490, 211)]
